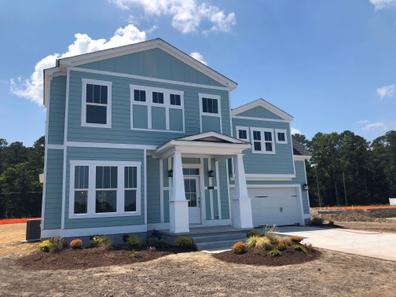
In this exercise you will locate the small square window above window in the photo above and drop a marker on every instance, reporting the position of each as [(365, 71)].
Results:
[(158, 97), (210, 105), (175, 99), (242, 134), (139, 95), (281, 136)]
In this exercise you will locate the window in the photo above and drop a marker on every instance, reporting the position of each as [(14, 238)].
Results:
[(175, 99), (81, 189), (130, 188), (190, 171), (96, 110), (281, 136), (242, 133), (158, 97), (104, 188), (263, 140), (139, 95), (210, 105)]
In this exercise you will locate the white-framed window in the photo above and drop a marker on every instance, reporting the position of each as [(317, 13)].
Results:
[(242, 133), (262, 140), (104, 188), (157, 97), (96, 103), (210, 105), (281, 136)]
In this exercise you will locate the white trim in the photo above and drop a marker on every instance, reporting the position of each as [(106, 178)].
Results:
[(212, 134), (161, 177), (93, 231), (202, 113), (309, 203), (284, 131), (264, 104), (109, 145), (55, 146), (218, 189), (242, 128), (301, 158), (92, 164), (150, 104), (291, 148), (210, 184), (146, 45), (145, 186), (263, 177), (84, 103), (258, 119), (228, 192), (262, 140)]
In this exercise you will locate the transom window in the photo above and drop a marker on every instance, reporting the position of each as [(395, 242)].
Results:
[(210, 105), (263, 140), (158, 97), (175, 99), (242, 133), (104, 188), (96, 110), (281, 136), (139, 95)]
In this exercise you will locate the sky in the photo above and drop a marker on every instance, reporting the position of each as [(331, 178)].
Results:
[(330, 64)]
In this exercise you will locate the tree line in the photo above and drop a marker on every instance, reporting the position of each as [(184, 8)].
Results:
[(346, 169)]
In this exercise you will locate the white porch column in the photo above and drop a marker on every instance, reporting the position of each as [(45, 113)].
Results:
[(178, 212), (241, 209)]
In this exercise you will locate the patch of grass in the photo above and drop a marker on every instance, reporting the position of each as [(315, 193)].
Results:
[(252, 240), (263, 243), (184, 242), (239, 248), (274, 252), (134, 242)]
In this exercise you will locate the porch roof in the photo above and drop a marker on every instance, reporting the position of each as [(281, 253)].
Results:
[(209, 143)]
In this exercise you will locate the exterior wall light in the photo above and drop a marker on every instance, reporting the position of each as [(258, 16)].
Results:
[(210, 173)]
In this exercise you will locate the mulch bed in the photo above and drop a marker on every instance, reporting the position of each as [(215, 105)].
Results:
[(86, 258), (255, 257)]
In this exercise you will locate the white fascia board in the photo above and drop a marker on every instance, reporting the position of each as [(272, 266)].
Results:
[(265, 104), (146, 45), (213, 134), (272, 177), (301, 158)]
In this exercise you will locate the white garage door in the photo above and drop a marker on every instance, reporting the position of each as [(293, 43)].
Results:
[(275, 206)]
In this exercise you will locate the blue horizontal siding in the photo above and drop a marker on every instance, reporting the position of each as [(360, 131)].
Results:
[(210, 123), (153, 191), (259, 112), (56, 116)]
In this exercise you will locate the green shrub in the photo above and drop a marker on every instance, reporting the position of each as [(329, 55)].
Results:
[(316, 220), (51, 245), (239, 248), (252, 240), (253, 232), (100, 241), (300, 247), (269, 232), (284, 241), (134, 242), (263, 243), (184, 242), (274, 252), (76, 243)]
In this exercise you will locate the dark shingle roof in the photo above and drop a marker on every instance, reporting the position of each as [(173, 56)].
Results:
[(299, 148)]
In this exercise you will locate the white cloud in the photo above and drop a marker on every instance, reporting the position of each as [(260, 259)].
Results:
[(371, 126), (386, 91), (382, 4), (32, 88), (198, 56), (187, 15), (295, 131)]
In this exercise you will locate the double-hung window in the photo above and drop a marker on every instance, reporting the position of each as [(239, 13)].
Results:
[(210, 105), (263, 140), (281, 136), (96, 103), (104, 188)]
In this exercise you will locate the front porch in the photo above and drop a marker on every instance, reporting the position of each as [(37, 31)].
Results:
[(198, 191)]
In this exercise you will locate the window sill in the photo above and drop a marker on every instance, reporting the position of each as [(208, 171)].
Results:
[(104, 215)]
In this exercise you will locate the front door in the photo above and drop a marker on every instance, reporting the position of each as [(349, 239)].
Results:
[(191, 187)]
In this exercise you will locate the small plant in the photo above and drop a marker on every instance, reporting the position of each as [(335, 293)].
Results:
[(300, 247), (54, 244), (253, 232), (263, 243), (274, 252), (134, 242), (184, 242), (76, 244), (316, 220), (269, 232), (284, 240), (252, 240), (100, 241), (239, 248), (296, 238)]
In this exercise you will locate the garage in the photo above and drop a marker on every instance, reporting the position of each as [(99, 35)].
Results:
[(275, 206)]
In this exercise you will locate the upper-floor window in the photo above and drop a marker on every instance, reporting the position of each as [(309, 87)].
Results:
[(281, 136), (96, 103), (158, 97), (242, 133), (139, 95), (263, 140), (104, 188), (210, 105), (175, 99)]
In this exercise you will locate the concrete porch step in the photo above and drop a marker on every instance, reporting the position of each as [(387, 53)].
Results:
[(202, 238), (215, 245)]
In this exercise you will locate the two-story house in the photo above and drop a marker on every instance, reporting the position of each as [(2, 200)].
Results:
[(142, 137)]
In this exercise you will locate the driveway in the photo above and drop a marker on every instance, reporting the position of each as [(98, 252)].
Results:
[(365, 243)]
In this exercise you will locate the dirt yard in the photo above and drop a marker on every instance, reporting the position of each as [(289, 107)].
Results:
[(197, 274)]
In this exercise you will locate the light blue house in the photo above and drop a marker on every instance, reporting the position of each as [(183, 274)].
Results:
[(142, 137)]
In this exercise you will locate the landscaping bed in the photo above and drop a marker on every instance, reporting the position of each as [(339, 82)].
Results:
[(257, 257)]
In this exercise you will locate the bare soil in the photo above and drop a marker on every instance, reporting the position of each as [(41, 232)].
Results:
[(258, 257), (12, 237)]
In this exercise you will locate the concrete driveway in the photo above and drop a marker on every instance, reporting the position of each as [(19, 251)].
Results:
[(364, 243)]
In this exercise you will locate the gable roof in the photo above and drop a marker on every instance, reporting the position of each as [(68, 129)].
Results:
[(265, 104), (211, 137)]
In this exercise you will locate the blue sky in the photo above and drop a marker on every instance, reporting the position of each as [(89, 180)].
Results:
[(331, 64)]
